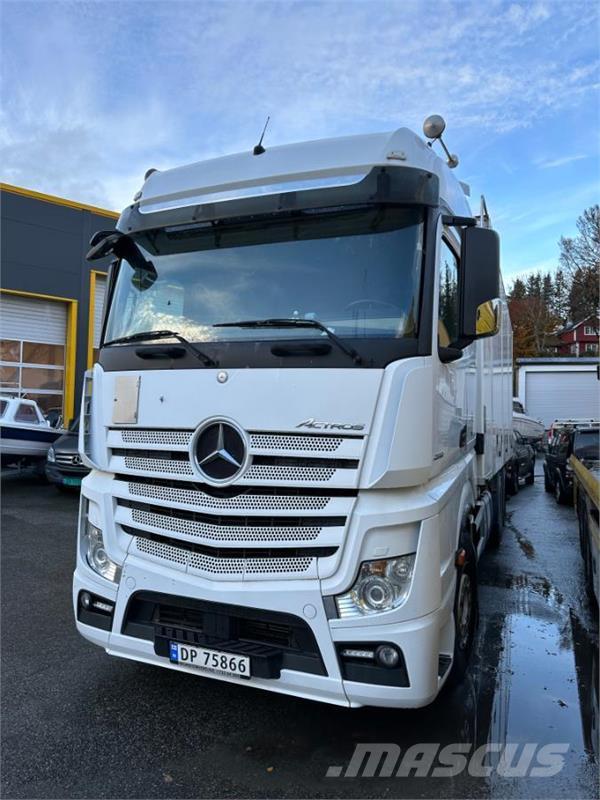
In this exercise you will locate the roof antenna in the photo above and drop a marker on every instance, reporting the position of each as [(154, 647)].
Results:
[(433, 127), (259, 149)]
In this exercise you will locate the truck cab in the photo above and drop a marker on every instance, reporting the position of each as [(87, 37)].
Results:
[(299, 422)]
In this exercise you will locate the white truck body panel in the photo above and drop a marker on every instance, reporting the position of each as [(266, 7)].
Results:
[(325, 162), (406, 473)]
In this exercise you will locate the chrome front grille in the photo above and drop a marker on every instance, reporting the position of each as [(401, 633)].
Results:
[(158, 465), (295, 496), (185, 494), (233, 563), (295, 441), (68, 459), (152, 437), (259, 472)]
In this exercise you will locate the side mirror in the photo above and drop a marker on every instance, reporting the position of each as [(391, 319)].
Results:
[(479, 284), (103, 243)]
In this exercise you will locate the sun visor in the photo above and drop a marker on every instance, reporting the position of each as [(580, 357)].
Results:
[(402, 185)]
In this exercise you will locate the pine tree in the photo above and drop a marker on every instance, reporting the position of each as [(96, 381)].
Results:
[(560, 303)]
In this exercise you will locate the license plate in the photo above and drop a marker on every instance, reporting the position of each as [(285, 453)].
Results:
[(72, 481), (209, 660)]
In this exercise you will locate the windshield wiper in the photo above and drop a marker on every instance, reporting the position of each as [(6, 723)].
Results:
[(293, 322), (153, 335)]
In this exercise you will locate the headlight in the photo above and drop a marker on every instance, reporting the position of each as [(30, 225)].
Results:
[(51, 455), (96, 554), (380, 586)]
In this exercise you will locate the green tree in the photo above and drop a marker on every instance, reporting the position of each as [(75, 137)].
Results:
[(580, 261)]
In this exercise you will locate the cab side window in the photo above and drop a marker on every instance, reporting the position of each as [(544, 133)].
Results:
[(448, 302)]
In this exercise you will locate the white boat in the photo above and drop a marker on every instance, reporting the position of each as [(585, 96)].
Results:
[(25, 434), (530, 429)]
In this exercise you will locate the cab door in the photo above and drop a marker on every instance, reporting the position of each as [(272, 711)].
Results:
[(455, 389)]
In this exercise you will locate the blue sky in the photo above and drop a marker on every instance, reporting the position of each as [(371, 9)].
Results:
[(95, 93)]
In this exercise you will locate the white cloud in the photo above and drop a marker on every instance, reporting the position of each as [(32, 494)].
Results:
[(96, 93), (561, 161)]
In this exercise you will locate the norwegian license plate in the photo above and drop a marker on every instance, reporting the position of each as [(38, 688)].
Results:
[(72, 481), (209, 660)]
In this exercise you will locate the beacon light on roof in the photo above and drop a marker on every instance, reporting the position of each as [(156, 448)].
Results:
[(433, 127)]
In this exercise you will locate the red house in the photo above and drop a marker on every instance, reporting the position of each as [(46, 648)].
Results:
[(579, 339)]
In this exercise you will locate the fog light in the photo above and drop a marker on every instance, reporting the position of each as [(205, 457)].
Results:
[(387, 656), (85, 600)]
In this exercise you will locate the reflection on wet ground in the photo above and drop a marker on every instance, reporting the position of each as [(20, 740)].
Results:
[(103, 727), (534, 676)]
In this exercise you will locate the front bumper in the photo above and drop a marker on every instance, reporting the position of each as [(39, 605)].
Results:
[(65, 477), (417, 639), (422, 629)]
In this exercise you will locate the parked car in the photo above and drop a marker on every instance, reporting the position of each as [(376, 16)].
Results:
[(64, 467), (532, 430), (583, 441), (522, 464)]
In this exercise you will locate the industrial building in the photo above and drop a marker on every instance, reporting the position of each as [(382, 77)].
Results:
[(51, 299)]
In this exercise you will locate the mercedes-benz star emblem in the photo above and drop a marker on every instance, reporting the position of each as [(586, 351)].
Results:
[(220, 451)]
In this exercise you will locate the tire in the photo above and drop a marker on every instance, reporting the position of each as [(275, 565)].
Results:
[(589, 575), (39, 470), (466, 614), (561, 497), (547, 485), (499, 510), (582, 521), (514, 480), (531, 477)]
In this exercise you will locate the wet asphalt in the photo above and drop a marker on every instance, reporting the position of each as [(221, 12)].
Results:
[(77, 723)]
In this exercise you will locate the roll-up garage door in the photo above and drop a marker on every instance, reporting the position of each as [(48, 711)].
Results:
[(33, 335), (562, 395)]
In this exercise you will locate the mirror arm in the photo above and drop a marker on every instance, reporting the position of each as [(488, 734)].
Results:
[(458, 222), (447, 354)]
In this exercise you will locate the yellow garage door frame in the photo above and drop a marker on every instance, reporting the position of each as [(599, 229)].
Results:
[(94, 273), (71, 345)]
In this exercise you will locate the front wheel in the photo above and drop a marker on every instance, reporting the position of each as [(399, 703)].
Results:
[(466, 613)]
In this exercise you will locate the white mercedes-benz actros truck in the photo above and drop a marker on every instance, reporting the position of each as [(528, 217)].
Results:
[(298, 424)]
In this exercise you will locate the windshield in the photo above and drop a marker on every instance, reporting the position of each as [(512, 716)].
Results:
[(357, 271), (587, 445)]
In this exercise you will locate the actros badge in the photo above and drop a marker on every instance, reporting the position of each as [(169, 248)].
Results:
[(329, 426)]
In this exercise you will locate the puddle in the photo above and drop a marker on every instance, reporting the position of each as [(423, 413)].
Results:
[(546, 692)]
